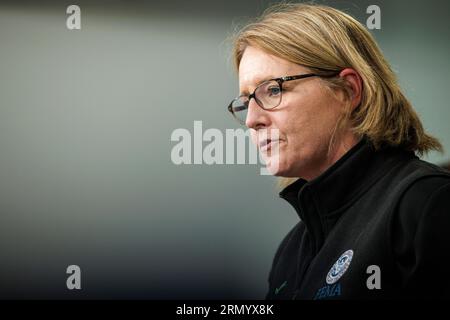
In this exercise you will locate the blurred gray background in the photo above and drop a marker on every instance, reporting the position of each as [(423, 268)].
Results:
[(85, 123)]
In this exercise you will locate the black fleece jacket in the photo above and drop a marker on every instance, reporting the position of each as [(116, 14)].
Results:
[(375, 225)]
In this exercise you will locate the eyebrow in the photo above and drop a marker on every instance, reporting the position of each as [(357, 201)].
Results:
[(258, 82)]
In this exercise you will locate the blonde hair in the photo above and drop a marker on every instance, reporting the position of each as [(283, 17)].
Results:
[(324, 39)]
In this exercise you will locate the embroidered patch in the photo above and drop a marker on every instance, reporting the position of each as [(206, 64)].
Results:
[(339, 267)]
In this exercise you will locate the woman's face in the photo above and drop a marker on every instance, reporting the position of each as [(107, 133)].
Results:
[(305, 119)]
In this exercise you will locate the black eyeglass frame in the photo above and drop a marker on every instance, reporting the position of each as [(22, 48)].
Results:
[(280, 82)]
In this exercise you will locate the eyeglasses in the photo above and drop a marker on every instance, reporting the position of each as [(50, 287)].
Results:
[(267, 95)]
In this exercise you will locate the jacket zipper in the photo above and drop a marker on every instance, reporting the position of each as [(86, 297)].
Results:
[(303, 266)]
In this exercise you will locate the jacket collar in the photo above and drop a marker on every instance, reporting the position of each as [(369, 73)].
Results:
[(320, 202)]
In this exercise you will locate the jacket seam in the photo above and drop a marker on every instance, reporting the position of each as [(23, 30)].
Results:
[(395, 207)]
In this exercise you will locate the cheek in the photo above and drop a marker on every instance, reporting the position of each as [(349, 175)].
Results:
[(298, 121), (309, 121)]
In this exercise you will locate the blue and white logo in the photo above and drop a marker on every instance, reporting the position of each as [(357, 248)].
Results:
[(340, 266)]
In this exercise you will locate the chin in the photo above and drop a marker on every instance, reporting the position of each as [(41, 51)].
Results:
[(277, 169), (276, 166), (285, 174)]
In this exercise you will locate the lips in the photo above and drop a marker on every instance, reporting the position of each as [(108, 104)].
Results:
[(266, 144), (267, 138)]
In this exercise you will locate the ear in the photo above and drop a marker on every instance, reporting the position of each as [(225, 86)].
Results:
[(354, 81)]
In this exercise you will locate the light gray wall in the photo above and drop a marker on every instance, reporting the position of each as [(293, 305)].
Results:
[(85, 123)]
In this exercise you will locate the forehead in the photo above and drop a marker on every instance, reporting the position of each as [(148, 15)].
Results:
[(257, 66)]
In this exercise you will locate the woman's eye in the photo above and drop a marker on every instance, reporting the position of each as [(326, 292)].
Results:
[(273, 91)]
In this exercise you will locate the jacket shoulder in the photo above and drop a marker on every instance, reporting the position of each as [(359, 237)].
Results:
[(414, 179)]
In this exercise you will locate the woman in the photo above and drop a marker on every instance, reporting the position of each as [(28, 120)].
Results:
[(373, 216)]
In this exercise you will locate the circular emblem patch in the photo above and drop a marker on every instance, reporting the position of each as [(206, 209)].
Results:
[(339, 267)]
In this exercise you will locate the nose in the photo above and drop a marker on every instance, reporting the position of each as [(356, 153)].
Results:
[(257, 117)]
